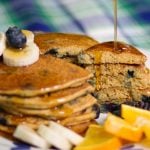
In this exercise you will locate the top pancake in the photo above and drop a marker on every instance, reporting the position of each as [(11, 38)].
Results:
[(61, 44), (46, 75), (105, 53)]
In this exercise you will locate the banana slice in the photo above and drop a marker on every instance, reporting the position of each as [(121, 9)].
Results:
[(2, 43), (73, 137), (23, 57), (29, 35), (54, 138), (28, 135)]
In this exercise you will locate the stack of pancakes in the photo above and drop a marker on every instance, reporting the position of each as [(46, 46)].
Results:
[(120, 75), (50, 89)]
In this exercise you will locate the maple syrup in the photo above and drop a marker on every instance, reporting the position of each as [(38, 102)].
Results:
[(115, 23)]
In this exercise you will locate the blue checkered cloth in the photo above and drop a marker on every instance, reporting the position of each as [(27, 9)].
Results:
[(91, 17)]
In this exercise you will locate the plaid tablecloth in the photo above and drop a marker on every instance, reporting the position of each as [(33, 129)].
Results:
[(91, 17)]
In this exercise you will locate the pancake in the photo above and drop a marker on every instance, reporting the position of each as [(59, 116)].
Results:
[(71, 59), (13, 120), (46, 75), (106, 81), (63, 111), (120, 95), (34, 122), (7, 129), (7, 136), (48, 100), (105, 53), (81, 118), (80, 128), (129, 71), (114, 94), (142, 94), (61, 44)]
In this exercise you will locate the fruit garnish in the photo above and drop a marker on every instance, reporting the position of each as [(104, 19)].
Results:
[(29, 35), (54, 138), (15, 37), (120, 128), (28, 135), (2, 43), (27, 56), (20, 39), (72, 137), (144, 124), (131, 114), (146, 129), (97, 138)]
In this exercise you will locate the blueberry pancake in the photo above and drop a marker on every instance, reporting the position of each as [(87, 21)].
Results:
[(8, 122), (81, 128), (105, 53), (130, 71), (113, 95), (106, 81), (59, 112), (46, 75), (120, 95), (111, 99), (119, 75), (36, 87), (14, 120), (63, 45), (7, 131), (83, 116), (46, 101)]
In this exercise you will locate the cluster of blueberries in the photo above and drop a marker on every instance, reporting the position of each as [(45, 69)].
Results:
[(116, 108), (15, 37)]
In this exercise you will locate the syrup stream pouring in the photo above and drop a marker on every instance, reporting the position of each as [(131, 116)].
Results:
[(115, 23)]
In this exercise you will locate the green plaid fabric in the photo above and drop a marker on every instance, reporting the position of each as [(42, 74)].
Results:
[(91, 17)]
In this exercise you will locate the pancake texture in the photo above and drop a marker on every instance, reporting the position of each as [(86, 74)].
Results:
[(61, 44), (42, 77), (105, 53), (49, 100)]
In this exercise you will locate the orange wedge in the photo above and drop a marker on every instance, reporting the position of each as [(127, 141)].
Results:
[(146, 130), (122, 129), (144, 124), (131, 114), (98, 139)]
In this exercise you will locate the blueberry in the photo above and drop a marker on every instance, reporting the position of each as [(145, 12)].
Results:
[(96, 108), (3, 121), (52, 51), (13, 30), (112, 107), (145, 98), (15, 38), (130, 74)]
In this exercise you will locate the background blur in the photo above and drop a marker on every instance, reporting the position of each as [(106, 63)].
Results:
[(91, 17)]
